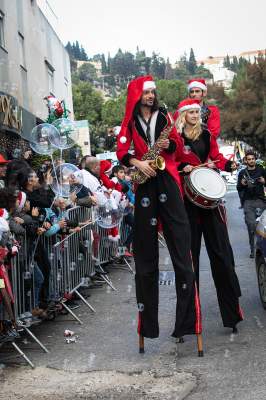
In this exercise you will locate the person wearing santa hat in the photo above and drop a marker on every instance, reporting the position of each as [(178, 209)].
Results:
[(210, 114), (158, 197), (200, 146)]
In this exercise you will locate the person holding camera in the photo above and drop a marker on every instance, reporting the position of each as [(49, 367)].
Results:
[(250, 186)]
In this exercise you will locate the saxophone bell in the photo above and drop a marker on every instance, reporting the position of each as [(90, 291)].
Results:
[(159, 163)]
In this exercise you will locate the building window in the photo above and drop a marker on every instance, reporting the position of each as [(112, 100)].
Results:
[(2, 36), (24, 87), (21, 51), (50, 74)]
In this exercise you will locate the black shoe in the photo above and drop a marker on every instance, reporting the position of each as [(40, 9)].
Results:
[(251, 255)]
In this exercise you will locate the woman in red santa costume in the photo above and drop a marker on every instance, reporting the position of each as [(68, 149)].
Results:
[(210, 114), (158, 197), (200, 146)]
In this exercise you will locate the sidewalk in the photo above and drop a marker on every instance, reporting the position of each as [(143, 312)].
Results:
[(107, 343)]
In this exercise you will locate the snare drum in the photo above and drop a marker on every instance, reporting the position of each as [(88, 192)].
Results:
[(204, 187)]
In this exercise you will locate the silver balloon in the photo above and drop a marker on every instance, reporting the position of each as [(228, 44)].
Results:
[(39, 139), (66, 135), (67, 179), (106, 217)]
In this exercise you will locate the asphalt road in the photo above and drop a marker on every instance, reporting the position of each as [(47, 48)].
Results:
[(233, 366)]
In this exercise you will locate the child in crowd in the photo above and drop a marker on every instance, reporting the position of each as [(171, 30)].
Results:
[(119, 177)]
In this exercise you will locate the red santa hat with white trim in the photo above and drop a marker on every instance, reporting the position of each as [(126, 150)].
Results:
[(134, 93), (197, 83), (22, 200), (188, 104)]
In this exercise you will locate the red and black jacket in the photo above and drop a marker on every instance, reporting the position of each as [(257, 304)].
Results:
[(135, 134), (209, 151)]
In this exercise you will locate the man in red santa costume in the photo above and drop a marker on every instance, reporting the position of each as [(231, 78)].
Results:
[(210, 114), (200, 146), (158, 197)]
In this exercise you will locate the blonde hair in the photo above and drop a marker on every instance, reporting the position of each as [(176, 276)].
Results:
[(181, 123)]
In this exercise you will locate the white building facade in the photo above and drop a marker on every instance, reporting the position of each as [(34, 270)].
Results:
[(33, 64)]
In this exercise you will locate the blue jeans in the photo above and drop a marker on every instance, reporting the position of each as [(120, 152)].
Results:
[(38, 281)]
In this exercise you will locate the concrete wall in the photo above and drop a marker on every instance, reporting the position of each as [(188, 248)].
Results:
[(28, 80)]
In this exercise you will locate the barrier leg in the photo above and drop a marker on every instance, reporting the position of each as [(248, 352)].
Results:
[(128, 265), (36, 339), (71, 312), (84, 300), (108, 281), (22, 354)]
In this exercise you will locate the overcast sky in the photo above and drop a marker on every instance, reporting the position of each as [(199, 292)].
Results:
[(168, 27)]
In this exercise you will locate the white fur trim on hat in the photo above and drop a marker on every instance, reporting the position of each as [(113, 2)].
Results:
[(22, 200), (149, 85), (196, 84), (189, 107)]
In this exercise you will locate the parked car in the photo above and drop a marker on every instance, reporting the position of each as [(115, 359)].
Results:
[(261, 257)]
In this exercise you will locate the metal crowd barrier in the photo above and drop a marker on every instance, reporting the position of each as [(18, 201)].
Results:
[(73, 259)]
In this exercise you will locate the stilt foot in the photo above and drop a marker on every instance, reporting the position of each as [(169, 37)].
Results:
[(180, 340), (200, 353)]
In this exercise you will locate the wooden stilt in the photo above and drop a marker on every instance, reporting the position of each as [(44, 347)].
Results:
[(141, 344), (200, 345)]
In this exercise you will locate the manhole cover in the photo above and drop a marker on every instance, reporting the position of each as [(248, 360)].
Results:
[(166, 278)]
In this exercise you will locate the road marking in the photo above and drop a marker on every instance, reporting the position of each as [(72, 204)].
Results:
[(129, 288)]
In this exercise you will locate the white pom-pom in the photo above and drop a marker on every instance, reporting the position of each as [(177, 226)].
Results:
[(123, 139)]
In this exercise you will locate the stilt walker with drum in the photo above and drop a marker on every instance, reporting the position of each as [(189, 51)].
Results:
[(204, 189), (156, 143)]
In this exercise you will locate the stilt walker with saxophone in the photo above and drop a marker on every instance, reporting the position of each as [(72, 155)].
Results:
[(156, 144)]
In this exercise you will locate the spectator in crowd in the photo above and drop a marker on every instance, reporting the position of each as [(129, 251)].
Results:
[(250, 186), (3, 167), (8, 328), (37, 195), (118, 173)]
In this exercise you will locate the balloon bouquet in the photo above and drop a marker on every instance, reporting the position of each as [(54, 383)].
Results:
[(61, 133)]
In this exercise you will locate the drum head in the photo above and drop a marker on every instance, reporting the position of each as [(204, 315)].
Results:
[(208, 183)]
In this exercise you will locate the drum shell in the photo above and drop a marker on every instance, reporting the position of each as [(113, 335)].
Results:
[(197, 197)]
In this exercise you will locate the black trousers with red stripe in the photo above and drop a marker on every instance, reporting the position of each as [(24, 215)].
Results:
[(159, 197), (212, 225)]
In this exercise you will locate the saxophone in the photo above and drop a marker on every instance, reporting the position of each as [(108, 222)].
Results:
[(154, 154)]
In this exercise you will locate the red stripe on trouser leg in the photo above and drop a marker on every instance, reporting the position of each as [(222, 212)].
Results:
[(240, 312), (139, 323), (198, 325)]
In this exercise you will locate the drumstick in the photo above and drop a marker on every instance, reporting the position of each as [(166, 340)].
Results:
[(205, 164)]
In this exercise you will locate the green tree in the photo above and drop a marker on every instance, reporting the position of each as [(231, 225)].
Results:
[(192, 63), (157, 68), (113, 111), (87, 102), (171, 92), (244, 116), (87, 72)]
